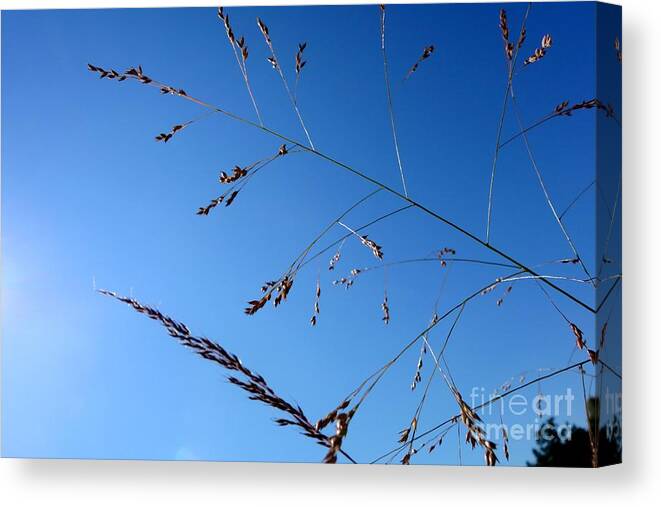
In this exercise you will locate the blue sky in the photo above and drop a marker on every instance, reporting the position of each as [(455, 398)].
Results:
[(90, 200)]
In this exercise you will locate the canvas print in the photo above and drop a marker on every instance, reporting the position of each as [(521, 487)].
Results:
[(375, 234)]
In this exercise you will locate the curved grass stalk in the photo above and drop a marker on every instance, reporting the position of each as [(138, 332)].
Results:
[(541, 121), (349, 234), (391, 111), (549, 202), (299, 261)]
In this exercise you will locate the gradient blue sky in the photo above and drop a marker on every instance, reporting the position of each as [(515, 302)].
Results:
[(89, 198)]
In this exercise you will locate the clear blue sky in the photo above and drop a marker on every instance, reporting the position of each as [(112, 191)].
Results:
[(89, 197)]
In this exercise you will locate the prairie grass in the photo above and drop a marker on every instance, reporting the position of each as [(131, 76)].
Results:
[(331, 430)]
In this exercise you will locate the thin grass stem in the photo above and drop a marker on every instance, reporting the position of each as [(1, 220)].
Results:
[(501, 122), (391, 111)]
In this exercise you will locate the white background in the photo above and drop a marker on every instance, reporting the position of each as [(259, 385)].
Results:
[(101, 483)]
